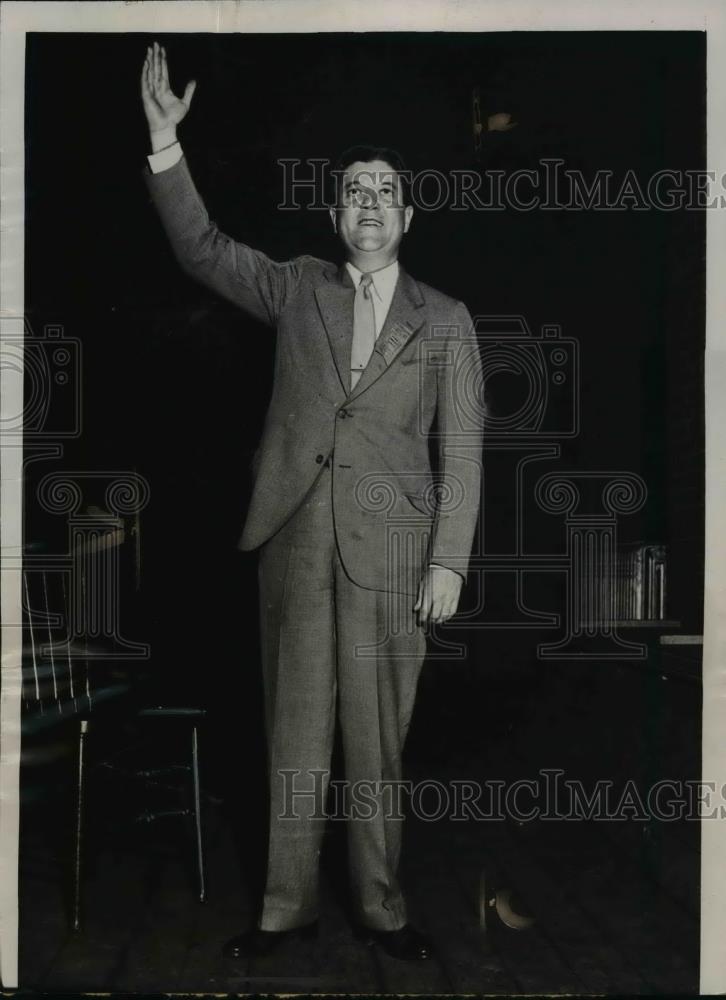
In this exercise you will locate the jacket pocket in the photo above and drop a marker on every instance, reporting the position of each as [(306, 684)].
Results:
[(424, 503)]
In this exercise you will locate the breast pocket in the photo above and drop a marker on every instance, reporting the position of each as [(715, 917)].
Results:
[(414, 360), (421, 502)]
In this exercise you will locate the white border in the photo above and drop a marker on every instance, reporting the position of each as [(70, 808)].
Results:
[(16, 18)]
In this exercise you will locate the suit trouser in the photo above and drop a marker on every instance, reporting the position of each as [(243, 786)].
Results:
[(316, 624)]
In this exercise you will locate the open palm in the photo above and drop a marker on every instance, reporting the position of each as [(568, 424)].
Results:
[(161, 105)]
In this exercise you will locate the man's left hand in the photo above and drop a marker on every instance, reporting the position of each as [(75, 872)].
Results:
[(438, 595)]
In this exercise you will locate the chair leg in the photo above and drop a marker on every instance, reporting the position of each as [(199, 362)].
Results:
[(198, 814), (80, 809)]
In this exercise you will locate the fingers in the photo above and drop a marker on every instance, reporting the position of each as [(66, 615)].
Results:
[(436, 602), (148, 91), (438, 596), (423, 605), (145, 76), (157, 65), (150, 67), (424, 613), (148, 85), (446, 610), (189, 92), (437, 609), (164, 67)]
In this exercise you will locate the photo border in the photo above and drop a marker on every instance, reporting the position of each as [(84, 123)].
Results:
[(290, 16)]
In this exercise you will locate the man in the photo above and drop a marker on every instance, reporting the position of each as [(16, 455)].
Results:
[(361, 547)]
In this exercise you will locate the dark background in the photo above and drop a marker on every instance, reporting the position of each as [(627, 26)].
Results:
[(175, 382)]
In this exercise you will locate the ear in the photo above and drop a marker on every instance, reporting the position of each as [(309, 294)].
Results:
[(334, 217), (407, 216)]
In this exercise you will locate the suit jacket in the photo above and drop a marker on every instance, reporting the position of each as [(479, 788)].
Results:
[(392, 514)]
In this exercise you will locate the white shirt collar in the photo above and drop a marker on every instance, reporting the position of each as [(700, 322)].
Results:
[(384, 279)]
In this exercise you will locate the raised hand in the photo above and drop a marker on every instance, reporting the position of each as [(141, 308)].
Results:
[(163, 109)]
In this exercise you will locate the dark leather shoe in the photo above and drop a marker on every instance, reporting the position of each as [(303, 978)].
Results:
[(259, 942), (406, 943)]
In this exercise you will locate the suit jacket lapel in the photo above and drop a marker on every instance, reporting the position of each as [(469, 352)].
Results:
[(335, 298), (405, 317)]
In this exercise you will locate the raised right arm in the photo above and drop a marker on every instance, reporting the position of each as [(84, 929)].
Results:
[(247, 277)]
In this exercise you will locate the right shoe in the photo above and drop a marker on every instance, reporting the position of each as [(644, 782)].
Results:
[(407, 943), (258, 942)]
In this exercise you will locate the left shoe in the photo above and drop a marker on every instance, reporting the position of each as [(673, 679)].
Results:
[(406, 943), (256, 942)]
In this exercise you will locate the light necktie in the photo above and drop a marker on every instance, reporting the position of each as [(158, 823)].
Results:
[(364, 329)]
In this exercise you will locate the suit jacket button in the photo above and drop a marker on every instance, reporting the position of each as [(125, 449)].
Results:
[(319, 458)]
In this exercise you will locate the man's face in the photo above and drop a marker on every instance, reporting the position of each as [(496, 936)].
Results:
[(370, 216)]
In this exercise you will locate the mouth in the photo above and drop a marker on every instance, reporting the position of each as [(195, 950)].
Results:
[(370, 222)]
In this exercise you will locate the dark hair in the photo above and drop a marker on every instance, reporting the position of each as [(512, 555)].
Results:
[(366, 154)]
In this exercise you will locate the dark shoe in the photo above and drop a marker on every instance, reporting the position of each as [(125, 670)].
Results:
[(259, 942), (406, 943)]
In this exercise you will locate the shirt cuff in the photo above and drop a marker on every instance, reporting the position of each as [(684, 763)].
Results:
[(165, 158), (441, 566)]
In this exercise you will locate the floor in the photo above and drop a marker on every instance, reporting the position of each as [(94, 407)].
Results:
[(615, 904)]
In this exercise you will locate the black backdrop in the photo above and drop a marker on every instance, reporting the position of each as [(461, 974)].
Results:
[(175, 382)]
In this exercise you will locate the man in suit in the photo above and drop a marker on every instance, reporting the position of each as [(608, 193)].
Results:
[(361, 544)]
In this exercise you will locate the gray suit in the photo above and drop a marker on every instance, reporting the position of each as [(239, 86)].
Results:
[(348, 513)]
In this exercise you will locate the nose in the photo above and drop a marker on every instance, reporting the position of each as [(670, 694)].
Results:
[(367, 198)]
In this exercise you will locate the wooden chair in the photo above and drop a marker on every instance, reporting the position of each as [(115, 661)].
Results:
[(74, 687)]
